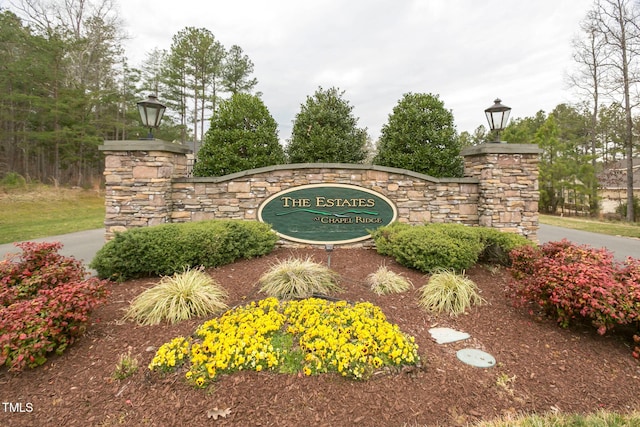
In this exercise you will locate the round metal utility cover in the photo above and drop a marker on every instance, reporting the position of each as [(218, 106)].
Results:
[(477, 358)]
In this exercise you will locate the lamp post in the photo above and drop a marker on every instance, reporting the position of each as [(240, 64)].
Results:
[(498, 116), (151, 111)]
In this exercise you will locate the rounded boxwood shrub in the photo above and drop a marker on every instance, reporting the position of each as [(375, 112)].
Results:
[(384, 236), (498, 244), (428, 248), (165, 249), (434, 246)]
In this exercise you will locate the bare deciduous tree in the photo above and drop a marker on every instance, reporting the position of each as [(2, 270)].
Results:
[(617, 23), (591, 58)]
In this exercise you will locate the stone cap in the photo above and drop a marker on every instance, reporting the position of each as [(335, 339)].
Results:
[(501, 148), (352, 166), (144, 145)]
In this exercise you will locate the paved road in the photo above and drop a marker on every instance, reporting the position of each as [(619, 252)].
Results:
[(83, 245), (622, 247)]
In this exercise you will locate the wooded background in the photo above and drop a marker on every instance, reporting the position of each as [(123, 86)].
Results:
[(66, 86)]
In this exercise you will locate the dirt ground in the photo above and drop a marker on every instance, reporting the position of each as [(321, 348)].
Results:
[(540, 367)]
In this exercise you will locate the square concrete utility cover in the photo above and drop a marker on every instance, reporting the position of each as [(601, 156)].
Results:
[(447, 335)]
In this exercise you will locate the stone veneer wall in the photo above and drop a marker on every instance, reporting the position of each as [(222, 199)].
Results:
[(138, 183), (147, 184), (507, 184)]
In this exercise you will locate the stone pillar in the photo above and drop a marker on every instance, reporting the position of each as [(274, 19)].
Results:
[(138, 176), (508, 185)]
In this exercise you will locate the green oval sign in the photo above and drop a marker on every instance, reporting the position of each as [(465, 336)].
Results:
[(327, 213)]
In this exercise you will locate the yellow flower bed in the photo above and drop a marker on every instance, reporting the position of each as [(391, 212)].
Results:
[(170, 355), (353, 341)]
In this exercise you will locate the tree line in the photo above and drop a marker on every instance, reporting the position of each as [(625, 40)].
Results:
[(66, 86)]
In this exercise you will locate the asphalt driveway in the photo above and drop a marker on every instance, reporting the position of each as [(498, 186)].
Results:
[(622, 247), (81, 245)]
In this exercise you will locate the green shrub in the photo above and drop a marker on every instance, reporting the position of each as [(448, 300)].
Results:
[(449, 292), (622, 209), (13, 179), (385, 236), (165, 249), (192, 293), (498, 244), (297, 278), (431, 246), (452, 246)]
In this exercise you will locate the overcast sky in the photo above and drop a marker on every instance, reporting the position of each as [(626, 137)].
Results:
[(466, 51)]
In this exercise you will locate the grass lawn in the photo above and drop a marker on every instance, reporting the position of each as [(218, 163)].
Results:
[(40, 211), (589, 224)]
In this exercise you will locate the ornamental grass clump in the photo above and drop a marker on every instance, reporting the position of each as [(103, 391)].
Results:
[(311, 336), (385, 281), (192, 293), (299, 278), (449, 292)]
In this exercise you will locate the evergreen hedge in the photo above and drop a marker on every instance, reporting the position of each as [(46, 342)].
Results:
[(436, 246), (169, 248)]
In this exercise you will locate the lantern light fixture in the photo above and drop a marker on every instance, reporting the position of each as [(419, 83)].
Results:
[(497, 116), (151, 111)]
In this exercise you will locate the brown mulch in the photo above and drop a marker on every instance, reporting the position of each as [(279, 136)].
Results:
[(540, 367)]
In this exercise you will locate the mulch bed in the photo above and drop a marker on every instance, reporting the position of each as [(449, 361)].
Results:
[(540, 366)]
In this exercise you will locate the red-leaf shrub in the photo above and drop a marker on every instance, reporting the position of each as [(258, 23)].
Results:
[(572, 282), (630, 276), (45, 301)]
